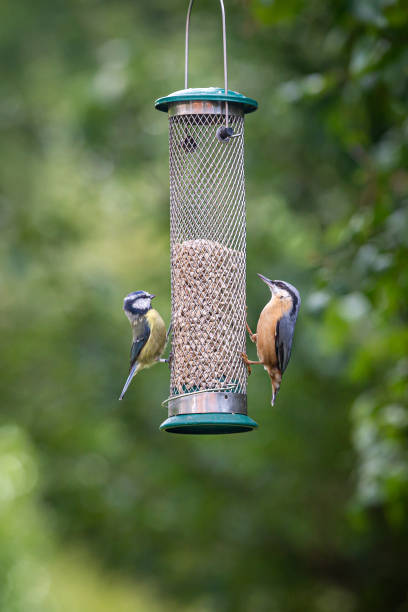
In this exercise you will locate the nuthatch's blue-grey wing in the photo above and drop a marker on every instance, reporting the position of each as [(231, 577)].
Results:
[(141, 333), (285, 329)]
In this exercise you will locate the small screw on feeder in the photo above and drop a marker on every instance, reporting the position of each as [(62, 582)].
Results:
[(208, 256)]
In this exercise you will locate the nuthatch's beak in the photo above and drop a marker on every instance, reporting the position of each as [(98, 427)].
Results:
[(269, 282)]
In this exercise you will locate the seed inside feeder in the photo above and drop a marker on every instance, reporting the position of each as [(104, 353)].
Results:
[(208, 286)]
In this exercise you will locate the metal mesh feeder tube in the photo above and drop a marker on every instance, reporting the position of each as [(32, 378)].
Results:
[(208, 260)]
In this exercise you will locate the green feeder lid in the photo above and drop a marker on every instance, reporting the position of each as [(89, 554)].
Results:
[(206, 93), (209, 423)]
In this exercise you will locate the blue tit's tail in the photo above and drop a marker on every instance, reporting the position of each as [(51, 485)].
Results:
[(132, 372)]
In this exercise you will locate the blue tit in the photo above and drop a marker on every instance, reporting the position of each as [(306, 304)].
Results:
[(148, 332), (275, 330)]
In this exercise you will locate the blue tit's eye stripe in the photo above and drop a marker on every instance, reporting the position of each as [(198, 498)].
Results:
[(136, 294), (137, 302)]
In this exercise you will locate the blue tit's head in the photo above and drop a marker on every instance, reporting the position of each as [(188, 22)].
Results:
[(137, 303), (284, 291)]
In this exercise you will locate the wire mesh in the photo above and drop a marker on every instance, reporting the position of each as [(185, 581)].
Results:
[(208, 266)]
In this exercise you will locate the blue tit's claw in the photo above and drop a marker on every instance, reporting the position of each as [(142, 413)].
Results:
[(168, 360)]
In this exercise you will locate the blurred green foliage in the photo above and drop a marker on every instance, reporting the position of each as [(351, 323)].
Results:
[(309, 512)]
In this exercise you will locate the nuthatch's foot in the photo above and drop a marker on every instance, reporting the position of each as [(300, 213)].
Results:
[(251, 335), (249, 362), (246, 361)]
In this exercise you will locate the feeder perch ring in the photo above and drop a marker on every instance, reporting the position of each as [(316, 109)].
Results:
[(226, 389)]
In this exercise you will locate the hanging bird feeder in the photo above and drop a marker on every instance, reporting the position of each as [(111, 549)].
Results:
[(208, 256)]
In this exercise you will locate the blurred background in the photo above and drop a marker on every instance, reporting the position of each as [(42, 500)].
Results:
[(98, 509)]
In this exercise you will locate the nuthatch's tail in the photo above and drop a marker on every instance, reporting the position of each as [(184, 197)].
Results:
[(276, 379), (132, 372)]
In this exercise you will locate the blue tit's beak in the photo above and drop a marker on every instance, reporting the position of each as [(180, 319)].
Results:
[(152, 296), (269, 282)]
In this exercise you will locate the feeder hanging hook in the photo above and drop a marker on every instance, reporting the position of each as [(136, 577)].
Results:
[(222, 135)]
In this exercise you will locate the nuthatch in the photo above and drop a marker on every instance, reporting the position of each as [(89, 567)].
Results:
[(148, 331), (274, 332)]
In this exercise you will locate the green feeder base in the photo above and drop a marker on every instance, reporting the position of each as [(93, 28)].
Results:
[(209, 423)]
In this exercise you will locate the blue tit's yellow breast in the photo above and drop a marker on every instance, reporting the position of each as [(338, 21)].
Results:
[(157, 339)]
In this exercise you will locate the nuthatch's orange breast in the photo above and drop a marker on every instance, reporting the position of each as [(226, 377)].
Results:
[(265, 341)]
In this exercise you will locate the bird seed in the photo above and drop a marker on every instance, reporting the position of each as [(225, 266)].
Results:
[(208, 297)]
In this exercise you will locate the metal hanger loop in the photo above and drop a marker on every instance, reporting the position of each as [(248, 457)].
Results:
[(224, 43)]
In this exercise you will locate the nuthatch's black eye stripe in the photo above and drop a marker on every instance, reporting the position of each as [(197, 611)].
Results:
[(295, 302), (293, 294), (281, 285)]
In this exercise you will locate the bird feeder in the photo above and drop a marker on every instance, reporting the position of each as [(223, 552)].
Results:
[(208, 256)]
